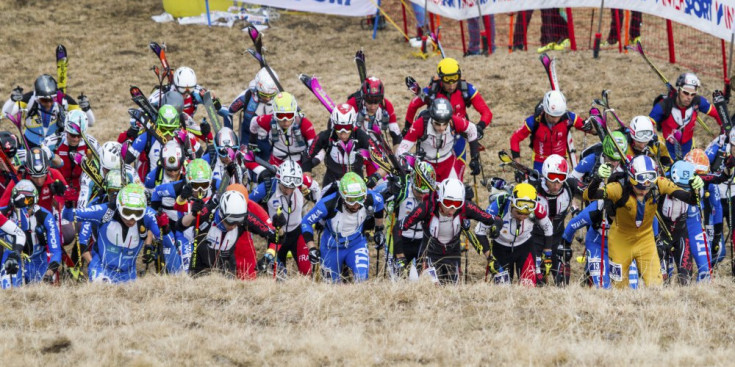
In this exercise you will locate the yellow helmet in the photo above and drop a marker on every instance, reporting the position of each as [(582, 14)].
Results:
[(524, 198), (284, 106), (448, 70)]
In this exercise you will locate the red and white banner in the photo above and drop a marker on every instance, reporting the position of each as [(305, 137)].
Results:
[(351, 8), (716, 17)]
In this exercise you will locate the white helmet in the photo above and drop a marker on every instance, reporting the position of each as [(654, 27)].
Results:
[(731, 136), (555, 168), (110, 155), (641, 129), (343, 115), (554, 103), (76, 122), (290, 174), (451, 193), (265, 85), (171, 155), (184, 78), (233, 206), (688, 80)]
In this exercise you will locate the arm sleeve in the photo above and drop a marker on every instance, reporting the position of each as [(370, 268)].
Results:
[(486, 116), (417, 129), (657, 113), (258, 194), (317, 213), (417, 215), (307, 129), (518, 136), (472, 211), (412, 108), (666, 187), (709, 109), (580, 220)]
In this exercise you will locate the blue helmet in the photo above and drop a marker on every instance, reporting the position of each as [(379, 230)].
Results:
[(681, 172)]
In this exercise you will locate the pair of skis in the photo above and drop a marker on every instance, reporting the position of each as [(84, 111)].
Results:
[(550, 67)]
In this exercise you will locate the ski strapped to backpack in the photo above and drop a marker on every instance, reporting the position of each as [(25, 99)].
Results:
[(312, 83), (550, 67), (160, 51), (360, 63), (671, 90), (257, 53), (507, 160), (62, 64), (211, 112)]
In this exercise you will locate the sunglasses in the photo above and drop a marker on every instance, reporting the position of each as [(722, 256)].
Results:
[(132, 214), (200, 186), (285, 115), (450, 78), (165, 131), (46, 99), (343, 128), (557, 177), (688, 94), (440, 123), (451, 203), (373, 100), (291, 181)]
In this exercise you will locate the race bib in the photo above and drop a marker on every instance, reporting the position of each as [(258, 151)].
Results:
[(616, 272)]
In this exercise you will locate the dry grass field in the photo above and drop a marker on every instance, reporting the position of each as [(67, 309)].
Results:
[(215, 321)]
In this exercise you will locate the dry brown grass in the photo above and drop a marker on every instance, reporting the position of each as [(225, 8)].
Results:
[(213, 321)]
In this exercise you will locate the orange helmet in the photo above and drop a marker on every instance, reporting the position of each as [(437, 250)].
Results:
[(699, 159), (239, 188)]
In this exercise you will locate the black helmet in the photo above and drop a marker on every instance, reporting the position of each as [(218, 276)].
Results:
[(45, 86), (36, 162), (8, 143), (175, 99), (441, 110)]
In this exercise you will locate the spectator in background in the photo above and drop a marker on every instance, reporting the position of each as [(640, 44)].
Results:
[(477, 45), (554, 32), (634, 30)]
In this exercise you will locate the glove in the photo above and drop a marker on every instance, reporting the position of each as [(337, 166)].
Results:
[(314, 255), (587, 126), (475, 166), (406, 127), (57, 188), (149, 254), (520, 177), (11, 263), (19, 201), (253, 148), (266, 175), (480, 130), (604, 171), (269, 257), (205, 128), (466, 223), (132, 133), (279, 220), (186, 192), (495, 228), (71, 195), (83, 102), (16, 95), (197, 206), (231, 169), (696, 183), (396, 184), (547, 258), (379, 237), (373, 180)]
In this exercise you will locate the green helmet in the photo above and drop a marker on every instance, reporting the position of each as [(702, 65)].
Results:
[(608, 145), (131, 202), (168, 119), (352, 188), (424, 177), (198, 170)]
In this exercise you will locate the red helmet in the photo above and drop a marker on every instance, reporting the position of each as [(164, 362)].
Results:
[(372, 90)]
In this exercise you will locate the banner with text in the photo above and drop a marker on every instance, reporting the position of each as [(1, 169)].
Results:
[(716, 17), (352, 8)]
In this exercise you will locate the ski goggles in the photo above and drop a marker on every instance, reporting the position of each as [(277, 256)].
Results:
[(373, 99), (234, 219), (524, 206), (45, 99), (422, 186), (29, 200), (643, 136), (645, 178), (285, 115), (291, 181), (343, 128), (352, 200), (452, 203), (132, 213), (200, 186), (556, 177), (166, 131), (184, 90), (224, 151), (453, 78)]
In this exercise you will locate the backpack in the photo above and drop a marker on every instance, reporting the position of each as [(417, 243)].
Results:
[(667, 103), (537, 118)]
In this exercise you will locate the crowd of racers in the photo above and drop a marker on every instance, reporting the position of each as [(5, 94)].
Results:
[(182, 195)]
